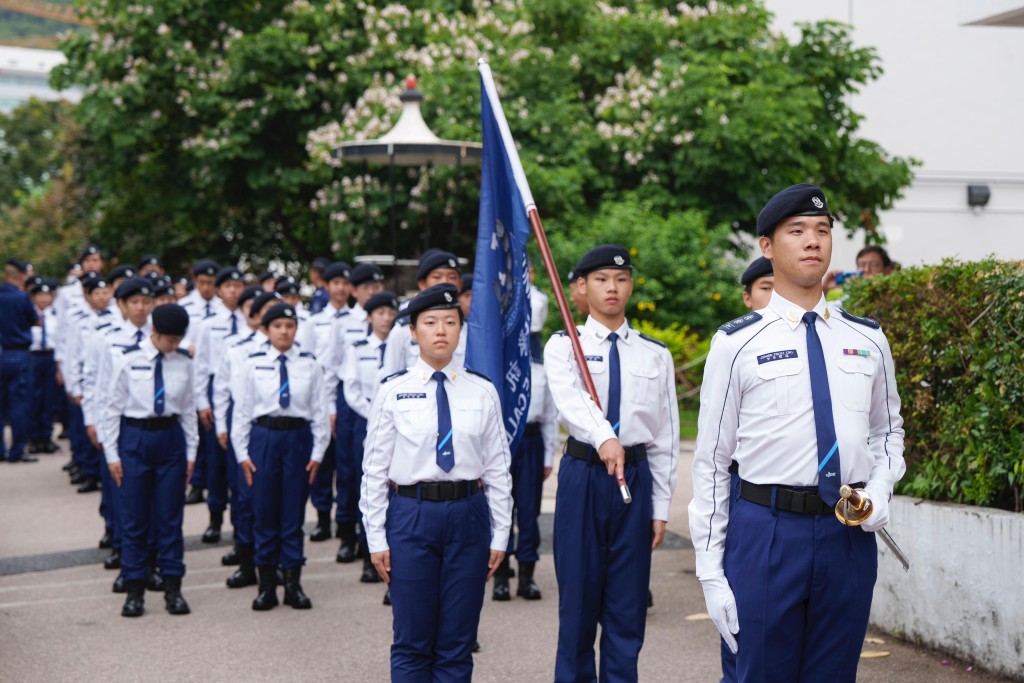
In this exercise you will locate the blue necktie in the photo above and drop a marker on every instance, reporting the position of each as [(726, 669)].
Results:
[(284, 395), (234, 324), (829, 471), (208, 311), (445, 447), (614, 383), (382, 347), (158, 385), (138, 336), (42, 322)]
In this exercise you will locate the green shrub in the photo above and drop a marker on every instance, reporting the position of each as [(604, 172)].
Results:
[(955, 331)]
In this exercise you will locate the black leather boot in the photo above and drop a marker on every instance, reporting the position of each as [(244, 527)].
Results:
[(293, 594), (387, 598), (245, 575), (120, 585), (174, 601), (322, 532), (89, 485), (107, 542), (500, 593), (154, 581), (194, 496), (113, 560), (527, 586), (231, 558), (212, 533), (267, 598), (348, 551), (370, 574), (134, 603)]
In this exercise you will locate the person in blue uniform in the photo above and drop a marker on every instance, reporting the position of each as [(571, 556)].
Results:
[(435, 435), (279, 431), (316, 276), (603, 545), (150, 432), (150, 263), (17, 317), (46, 393), (801, 397)]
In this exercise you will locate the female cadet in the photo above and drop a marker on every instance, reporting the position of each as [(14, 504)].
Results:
[(151, 435), (430, 542), (359, 381), (279, 431)]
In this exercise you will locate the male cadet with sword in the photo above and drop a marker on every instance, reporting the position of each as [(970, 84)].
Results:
[(801, 397)]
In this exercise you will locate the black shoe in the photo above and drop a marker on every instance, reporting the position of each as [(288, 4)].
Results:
[(501, 593), (174, 601), (293, 593), (113, 560), (232, 558), (74, 470), (387, 597), (90, 485), (212, 533), (63, 434), (194, 496), (107, 542), (245, 575), (348, 551), (24, 458), (155, 581), (322, 532), (370, 574), (134, 603), (267, 598), (527, 586), (68, 466), (48, 447), (650, 599), (34, 447), (476, 646), (120, 585)]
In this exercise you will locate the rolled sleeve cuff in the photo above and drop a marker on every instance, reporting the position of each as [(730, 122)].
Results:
[(111, 456), (659, 509), (499, 541), (377, 541)]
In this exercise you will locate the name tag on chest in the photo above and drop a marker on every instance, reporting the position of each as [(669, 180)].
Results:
[(776, 355), (402, 397)]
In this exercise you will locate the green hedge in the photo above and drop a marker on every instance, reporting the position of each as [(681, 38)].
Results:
[(955, 331)]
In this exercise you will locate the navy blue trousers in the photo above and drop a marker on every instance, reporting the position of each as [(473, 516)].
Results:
[(439, 553), (348, 464), (728, 658), (279, 493), (45, 395), (216, 482), (321, 493), (76, 434), (803, 586), (239, 492), (15, 399), (527, 472), (152, 500), (602, 551), (110, 504)]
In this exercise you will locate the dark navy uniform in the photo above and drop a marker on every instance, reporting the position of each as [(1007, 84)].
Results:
[(17, 316)]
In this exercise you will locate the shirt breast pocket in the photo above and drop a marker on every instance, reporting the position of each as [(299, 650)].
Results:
[(855, 378), (413, 417), (784, 378), (642, 383), (467, 416)]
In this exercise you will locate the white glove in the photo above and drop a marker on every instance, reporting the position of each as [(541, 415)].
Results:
[(722, 607), (879, 517)]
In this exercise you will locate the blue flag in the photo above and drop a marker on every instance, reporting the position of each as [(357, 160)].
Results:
[(498, 338)]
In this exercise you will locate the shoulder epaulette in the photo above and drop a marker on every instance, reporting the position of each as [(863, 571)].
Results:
[(307, 354), (257, 353), (184, 352), (562, 333), (100, 327), (653, 340), (242, 341), (341, 314), (740, 322), (186, 304), (393, 375), (361, 342), (873, 324), (133, 347)]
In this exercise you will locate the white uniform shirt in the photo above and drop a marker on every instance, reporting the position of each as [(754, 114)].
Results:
[(132, 389), (324, 326), (359, 373), (70, 301), (227, 380), (90, 323), (756, 410), (402, 352), (212, 338), (198, 309), (648, 411), (260, 396), (542, 411), (401, 445), (47, 319), (538, 309), (100, 353)]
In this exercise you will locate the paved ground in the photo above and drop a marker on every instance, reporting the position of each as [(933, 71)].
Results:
[(59, 620)]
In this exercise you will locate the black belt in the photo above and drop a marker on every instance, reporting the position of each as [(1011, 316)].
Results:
[(802, 500), (532, 428), (43, 352), (578, 449), (439, 490), (280, 423), (152, 424), (16, 348)]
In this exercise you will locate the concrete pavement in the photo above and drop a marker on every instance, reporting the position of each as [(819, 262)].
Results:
[(59, 620)]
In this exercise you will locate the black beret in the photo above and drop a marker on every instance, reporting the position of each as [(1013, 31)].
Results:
[(205, 267), (279, 311), (433, 259), (366, 272), (227, 273), (268, 275), (133, 286), (759, 268), (17, 263), (91, 284), (337, 269), (121, 271), (91, 250), (262, 300), (287, 285), (170, 319), (33, 280), (603, 256), (156, 277), (467, 283), (52, 282), (320, 262), (795, 200), (440, 296), (161, 289), (249, 293), (379, 300), (150, 260), (42, 287), (570, 277)]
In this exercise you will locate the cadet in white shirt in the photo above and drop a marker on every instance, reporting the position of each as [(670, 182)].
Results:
[(45, 391), (360, 384), (150, 426), (279, 430), (801, 397), (538, 314), (603, 545), (435, 432)]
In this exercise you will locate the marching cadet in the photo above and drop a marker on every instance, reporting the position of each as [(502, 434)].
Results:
[(149, 423), (360, 383), (45, 391), (602, 544), (279, 431), (150, 263), (577, 295), (439, 539), (758, 281), (229, 382), (289, 289), (321, 494), (183, 287), (268, 280), (17, 317), (316, 276), (164, 293), (767, 407), (466, 295), (210, 341)]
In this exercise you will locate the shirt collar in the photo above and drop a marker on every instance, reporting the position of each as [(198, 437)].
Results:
[(291, 354), (425, 373), (793, 314), (148, 350), (335, 310), (602, 332)]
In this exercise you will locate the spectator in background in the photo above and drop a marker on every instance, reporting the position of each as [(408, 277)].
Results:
[(872, 260)]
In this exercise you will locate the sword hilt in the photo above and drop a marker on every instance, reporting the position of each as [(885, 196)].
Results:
[(853, 506)]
